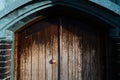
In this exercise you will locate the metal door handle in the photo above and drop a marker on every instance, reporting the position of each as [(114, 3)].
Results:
[(53, 61)]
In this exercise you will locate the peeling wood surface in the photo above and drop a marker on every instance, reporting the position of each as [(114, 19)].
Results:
[(58, 49)]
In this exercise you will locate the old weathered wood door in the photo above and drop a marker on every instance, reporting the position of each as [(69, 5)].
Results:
[(58, 49)]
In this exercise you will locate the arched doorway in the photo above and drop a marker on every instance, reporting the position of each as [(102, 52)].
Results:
[(59, 48)]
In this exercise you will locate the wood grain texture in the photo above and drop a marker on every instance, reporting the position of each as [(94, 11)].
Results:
[(75, 47), (16, 56), (71, 51), (28, 41)]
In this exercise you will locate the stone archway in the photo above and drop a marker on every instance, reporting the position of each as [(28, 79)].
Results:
[(32, 12)]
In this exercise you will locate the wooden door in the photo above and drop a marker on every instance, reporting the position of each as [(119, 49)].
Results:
[(81, 50), (58, 49)]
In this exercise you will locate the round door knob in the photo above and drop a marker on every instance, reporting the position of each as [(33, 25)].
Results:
[(53, 61)]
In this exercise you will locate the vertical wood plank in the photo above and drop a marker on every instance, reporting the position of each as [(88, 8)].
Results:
[(48, 54), (55, 51), (76, 58), (37, 55), (99, 59), (40, 59), (37, 36), (48, 63), (22, 58), (93, 56), (70, 55), (16, 61), (28, 57), (34, 57), (64, 55), (79, 60), (60, 50), (25, 57), (84, 59), (43, 60)]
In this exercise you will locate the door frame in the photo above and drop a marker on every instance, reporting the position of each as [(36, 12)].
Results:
[(29, 9)]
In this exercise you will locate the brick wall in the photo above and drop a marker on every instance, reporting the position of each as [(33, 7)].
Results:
[(115, 58), (5, 60)]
